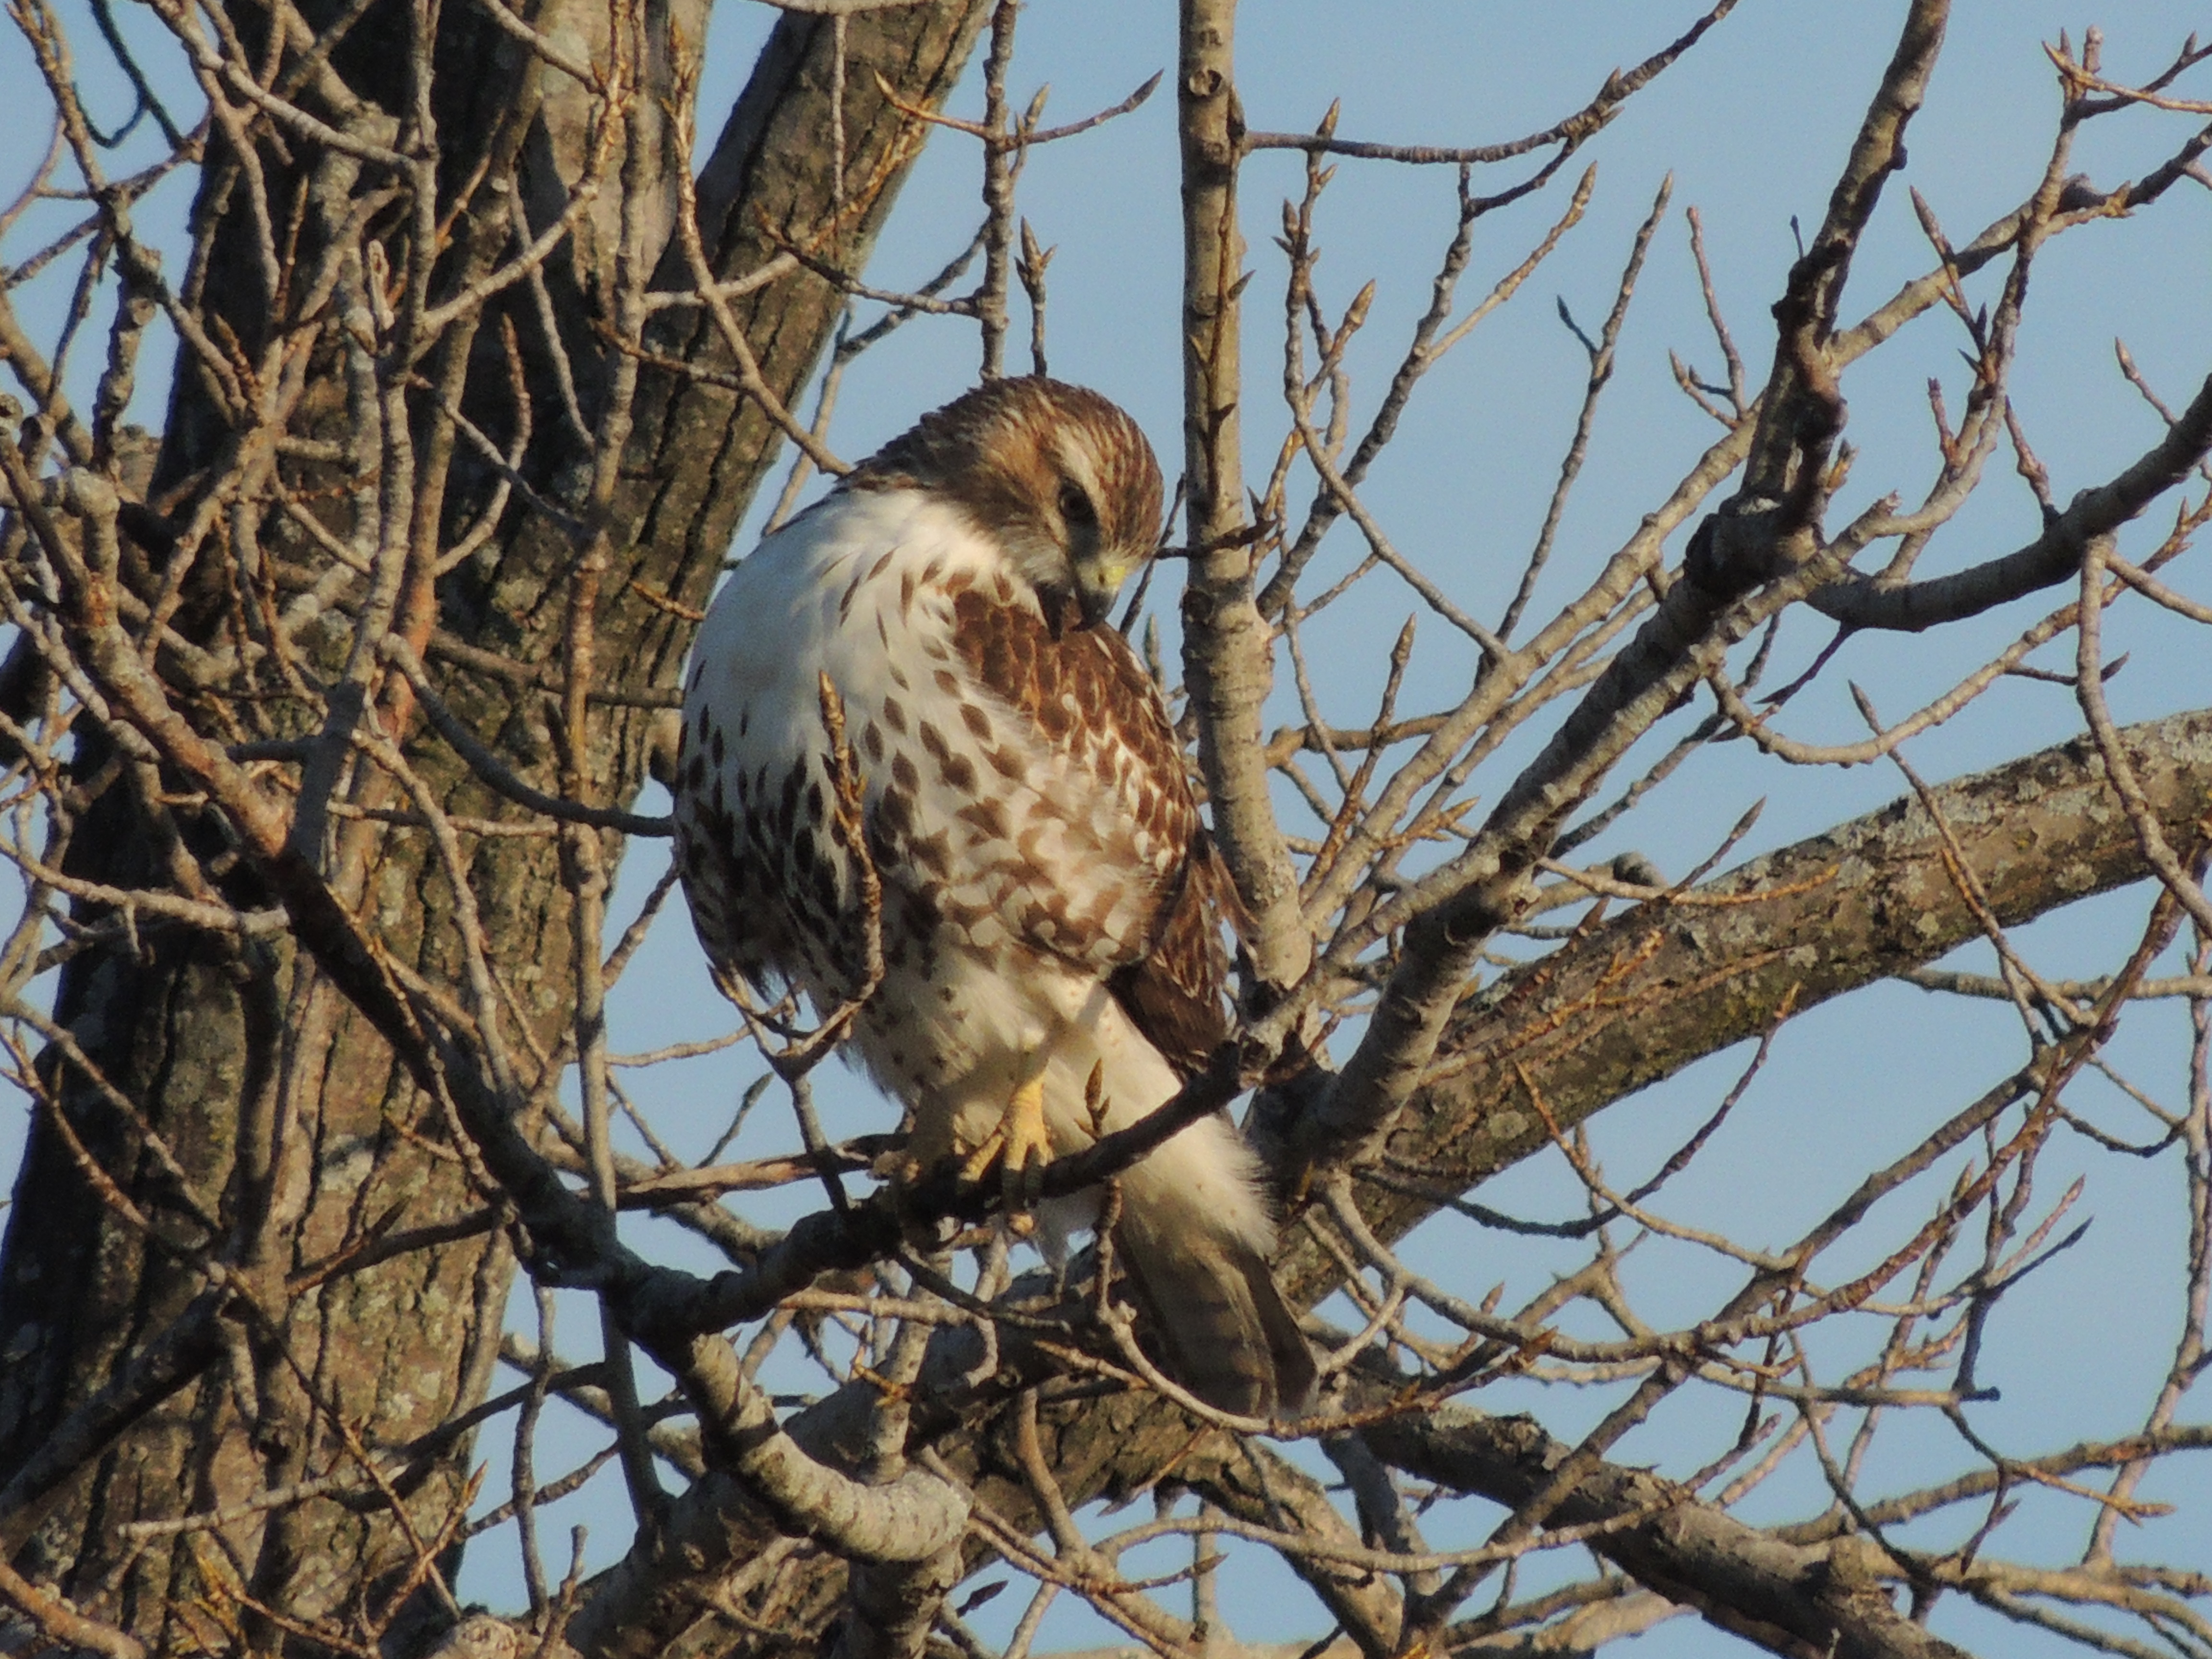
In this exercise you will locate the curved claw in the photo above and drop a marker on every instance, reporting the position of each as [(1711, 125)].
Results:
[(1020, 1147)]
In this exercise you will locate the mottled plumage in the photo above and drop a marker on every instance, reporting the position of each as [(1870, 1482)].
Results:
[(1050, 901)]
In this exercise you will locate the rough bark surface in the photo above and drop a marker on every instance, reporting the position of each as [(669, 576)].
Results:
[(196, 1032), (1645, 995)]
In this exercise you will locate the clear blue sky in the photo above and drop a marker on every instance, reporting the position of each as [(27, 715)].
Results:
[(1752, 125)]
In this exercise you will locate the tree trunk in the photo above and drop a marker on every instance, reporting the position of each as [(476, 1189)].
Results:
[(298, 1142)]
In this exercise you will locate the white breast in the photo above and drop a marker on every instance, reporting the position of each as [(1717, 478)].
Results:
[(823, 595)]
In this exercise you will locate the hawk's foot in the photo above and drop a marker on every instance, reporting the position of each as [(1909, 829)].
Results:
[(1020, 1147)]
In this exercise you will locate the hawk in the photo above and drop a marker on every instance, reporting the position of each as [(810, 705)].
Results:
[(1046, 903)]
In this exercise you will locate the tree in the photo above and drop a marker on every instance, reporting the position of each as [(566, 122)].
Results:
[(328, 711)]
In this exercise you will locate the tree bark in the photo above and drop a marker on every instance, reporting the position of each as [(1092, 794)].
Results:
[(297, 1138), (1643, 996)]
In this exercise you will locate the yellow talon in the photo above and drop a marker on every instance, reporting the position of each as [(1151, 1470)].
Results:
[(1019, 1145)]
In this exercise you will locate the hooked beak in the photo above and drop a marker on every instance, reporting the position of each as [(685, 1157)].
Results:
[(1096, 589)]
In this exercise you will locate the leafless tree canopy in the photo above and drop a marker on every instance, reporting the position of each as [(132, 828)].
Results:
[(327, 709)]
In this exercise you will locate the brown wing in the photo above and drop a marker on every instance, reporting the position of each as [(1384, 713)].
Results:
[(1174, 995), (1090, 699)]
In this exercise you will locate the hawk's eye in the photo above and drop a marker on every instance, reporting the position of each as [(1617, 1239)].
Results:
[(1075, 507)]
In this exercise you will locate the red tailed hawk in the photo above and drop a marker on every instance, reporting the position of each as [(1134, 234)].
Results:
[(1050, 901)]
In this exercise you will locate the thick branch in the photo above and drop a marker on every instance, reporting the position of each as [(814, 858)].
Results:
[(689, 468), (1226, 645), (1787, 1598), (1656, 989)]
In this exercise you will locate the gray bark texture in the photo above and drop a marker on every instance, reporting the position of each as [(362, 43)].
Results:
[(196, 1032)]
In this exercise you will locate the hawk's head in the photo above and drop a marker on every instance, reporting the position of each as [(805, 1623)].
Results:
[(1058, 477)]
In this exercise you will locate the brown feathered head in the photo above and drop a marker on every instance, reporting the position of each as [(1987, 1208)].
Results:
[(1058, 477)]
